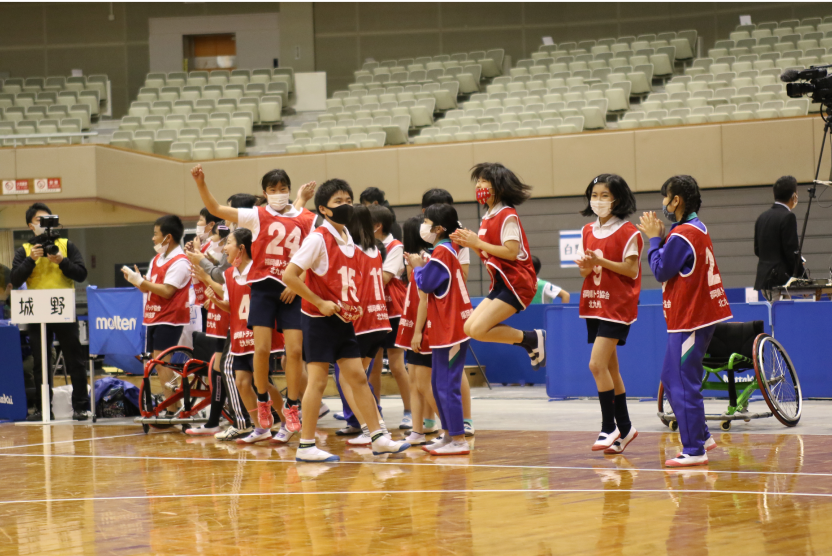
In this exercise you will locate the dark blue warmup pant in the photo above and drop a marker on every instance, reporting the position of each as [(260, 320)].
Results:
[(448, 365), (682, 378), (350, 417)]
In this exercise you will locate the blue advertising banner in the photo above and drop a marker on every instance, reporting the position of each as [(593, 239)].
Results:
[(12, 387), (115, 326)]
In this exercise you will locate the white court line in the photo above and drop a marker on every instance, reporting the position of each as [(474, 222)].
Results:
[(703, 470), (464, 491), (67, 441)]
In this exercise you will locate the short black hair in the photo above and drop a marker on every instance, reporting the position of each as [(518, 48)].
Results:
[(508, 188), (443, 215), (171, 224), (242, 200), (382, 215), (327, 190), (536, 264), (209, 217), (360, 228), (625, 201), (784, 188), (372, 195), (436, 195), (276, 177), (411, 238), (687, 189), (243, 238), (33, 210)]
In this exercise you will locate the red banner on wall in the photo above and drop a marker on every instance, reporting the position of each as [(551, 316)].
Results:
[(15, 187), (47, 185), (36, 185)]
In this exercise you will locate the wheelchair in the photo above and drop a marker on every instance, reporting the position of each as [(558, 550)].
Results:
[(191, 385), (740, 348)]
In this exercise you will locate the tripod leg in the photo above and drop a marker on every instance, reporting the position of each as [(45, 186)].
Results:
[(479, 366)]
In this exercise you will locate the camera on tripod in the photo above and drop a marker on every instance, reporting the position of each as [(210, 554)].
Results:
[(48, 237), (818, 84)]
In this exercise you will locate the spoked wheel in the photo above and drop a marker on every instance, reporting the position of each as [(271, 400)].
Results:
[(664, 407), (777, 379), (176, 359)]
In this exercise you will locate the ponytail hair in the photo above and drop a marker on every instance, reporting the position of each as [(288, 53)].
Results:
[(360, 228), (243, 238), (445, 216)]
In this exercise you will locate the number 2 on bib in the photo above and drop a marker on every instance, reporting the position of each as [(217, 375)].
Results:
[(713, 279), (278, 230)]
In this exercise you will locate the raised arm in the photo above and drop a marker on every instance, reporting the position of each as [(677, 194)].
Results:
[(210, 202)]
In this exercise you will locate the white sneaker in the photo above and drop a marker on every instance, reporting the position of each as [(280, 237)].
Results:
[(339, 416), (605, 440), (347, 431), (710, 444), (361, 440), (440, 441), (684, 460), (619, 445), (469, 429), (538, 354), (383, 445), (314, 454), (202, 430), (255, 437), (455, 448), (232, 433), (416, 439), (323, 411), (282, 436), (432, 429)]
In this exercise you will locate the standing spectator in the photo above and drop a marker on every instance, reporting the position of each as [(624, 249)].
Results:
[(48, 272), (775, 239), (375, 196)]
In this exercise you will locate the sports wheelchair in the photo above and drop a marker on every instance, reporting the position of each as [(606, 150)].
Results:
[(743, 347), (191, 385)]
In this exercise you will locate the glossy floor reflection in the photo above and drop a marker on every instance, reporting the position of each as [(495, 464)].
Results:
[(112, 490)]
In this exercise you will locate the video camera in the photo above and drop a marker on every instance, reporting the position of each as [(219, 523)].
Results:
[(48, 237), (819, 84)]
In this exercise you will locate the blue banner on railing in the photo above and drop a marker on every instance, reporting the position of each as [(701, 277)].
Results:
[(115, 325), (12, 389)]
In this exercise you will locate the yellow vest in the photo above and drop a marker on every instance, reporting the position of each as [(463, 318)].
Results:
[(47, 275)]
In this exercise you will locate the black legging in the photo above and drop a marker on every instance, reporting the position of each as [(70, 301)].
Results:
[(226, 389)]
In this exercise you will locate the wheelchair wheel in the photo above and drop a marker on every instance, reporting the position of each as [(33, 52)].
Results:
[(179, 355), (778, 380), (664, 407)]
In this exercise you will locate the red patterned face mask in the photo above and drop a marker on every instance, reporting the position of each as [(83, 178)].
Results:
[(483, 195)]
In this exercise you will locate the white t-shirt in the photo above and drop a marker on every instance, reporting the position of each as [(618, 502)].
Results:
[(550, 292), (511, 226), (602, 231), (249, 219), (394, 263), (312, 253), (179, 273)]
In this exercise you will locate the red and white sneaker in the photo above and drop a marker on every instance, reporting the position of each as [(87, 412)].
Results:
[(264, 414), (710, 444), (684, 460), (619, 445), (605, 440), (292, 418)]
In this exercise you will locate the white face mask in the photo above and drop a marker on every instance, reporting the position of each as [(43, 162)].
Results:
[(278, 201), (200, 233), (160, 248), (38, 230), (427, 235), (601, 208), (216, 251)]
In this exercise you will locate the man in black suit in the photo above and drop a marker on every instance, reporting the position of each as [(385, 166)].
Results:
[(775, 239)]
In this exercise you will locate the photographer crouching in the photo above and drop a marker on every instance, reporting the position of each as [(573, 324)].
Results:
[(51, 262)]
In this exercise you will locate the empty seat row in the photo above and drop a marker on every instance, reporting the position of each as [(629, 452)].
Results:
[(421, 112), (490, 60), (764, 32), (718, 114), (468, 78), (239, 120), (809, 21), (221, 78), (395, 127), (57, 84), (594, 113), (41, 127), (80, 112), (160, 141), (215, 92), (529, 128), (50, 98), (342, 143), (262, 111), (203, 150), (445, 95)]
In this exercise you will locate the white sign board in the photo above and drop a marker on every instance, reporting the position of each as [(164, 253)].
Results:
[(570, 248), (38, 306)]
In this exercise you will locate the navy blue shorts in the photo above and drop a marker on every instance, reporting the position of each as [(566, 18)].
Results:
[(267, 310), (163, 336), (371, 342), (390, 339), (502, 292), (421, 359), (243, 363), (597, 328), (328, 339)]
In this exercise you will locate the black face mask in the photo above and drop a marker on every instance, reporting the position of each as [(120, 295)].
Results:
[(342, 215)]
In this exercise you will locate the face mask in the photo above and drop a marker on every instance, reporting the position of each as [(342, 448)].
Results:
[(427, 235), (483, 195), (38, 230), (216, 252), (238, 260), (669, 215), (160, 248), (278, 201), (601, 208), (341, 215)]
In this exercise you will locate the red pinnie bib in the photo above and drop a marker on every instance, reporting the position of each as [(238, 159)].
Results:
[(278, 239), (338, 284), (371, 293), (407, 324), (239, 300), (519, 274), (157, 309), (448, 311)]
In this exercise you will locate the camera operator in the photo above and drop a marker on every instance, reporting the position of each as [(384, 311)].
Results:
[(776, 241), (49, 262)]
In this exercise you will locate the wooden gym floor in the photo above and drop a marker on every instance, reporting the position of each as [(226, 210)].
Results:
[(113, 490)]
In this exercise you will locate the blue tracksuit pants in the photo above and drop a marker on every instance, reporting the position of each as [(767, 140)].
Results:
[(447, 366), (350, 417), (682, 379)]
